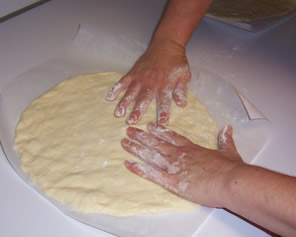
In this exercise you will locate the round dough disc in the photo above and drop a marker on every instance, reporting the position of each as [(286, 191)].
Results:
[(250, 10), (69, 143)]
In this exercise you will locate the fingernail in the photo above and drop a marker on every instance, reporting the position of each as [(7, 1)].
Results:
[(113, 91), (151, 125), (120, 111), (178, 102), (163, 121), (130, 130), (225, 133), (131, 120), (228, 130), (134, 117), (125, 142), (129, 163), (181, 103), (110, 95)]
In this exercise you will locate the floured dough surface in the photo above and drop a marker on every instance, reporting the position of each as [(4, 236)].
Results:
[(250, 10), (69, 144)]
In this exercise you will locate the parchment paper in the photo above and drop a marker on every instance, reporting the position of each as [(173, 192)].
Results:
[(94, 50)]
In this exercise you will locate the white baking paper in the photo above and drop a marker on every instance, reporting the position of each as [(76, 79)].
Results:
[(94, 50)]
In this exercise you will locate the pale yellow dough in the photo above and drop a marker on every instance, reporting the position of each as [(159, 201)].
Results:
[(69, 143)]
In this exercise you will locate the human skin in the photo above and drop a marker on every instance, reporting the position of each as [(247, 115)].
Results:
[(162, 72), (214, 178)]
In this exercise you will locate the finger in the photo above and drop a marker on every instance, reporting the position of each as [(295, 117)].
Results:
[(168, 135), (181, 75), (225, 140), (164, 101), (155, 175), (151, 141), (145, 96), (120, 86), (180, 93), (150, 157), (129, 96)]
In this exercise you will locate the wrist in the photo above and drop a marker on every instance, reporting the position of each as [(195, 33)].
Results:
[(232, 186), (166, 44)]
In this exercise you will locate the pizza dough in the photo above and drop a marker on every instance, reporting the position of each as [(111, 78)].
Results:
[(69, 144), (250, 10)]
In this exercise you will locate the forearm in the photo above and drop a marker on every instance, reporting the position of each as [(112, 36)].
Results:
[(180, 19), (263, 197)]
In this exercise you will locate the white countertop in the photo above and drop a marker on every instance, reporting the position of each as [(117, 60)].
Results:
[(261, 65)]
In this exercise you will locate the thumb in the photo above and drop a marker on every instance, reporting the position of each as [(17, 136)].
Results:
[(225, 140)]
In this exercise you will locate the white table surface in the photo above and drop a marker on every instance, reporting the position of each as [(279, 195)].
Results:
[(261, 65)]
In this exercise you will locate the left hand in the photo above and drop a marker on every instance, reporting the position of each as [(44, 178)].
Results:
[(162, 72), (186, 169)]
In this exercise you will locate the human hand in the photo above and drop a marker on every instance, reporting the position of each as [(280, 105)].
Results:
[(195, 173), (162, 72)]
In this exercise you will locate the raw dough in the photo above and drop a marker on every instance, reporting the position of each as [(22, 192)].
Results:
[(250, 10), (69, 144)]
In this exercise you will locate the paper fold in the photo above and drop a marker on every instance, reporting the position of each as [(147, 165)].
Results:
[(253, 112)]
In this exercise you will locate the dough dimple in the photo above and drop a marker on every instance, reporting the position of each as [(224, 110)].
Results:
[(69, 143)]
